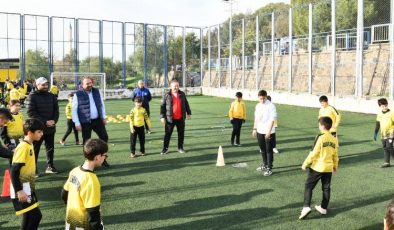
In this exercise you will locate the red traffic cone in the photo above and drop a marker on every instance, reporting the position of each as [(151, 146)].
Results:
[(6, 184)]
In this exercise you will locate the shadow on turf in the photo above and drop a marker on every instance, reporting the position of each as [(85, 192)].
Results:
[(193, 208), (48, 226)]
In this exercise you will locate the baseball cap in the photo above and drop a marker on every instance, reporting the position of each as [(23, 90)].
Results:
[(41, 80)]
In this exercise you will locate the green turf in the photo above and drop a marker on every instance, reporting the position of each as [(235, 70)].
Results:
[(187, 191)]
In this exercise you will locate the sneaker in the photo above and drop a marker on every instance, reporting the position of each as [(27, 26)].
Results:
[(164, 152), (142, 154), (239, 145), (181, 150), (262, 168), (62, 142), (275, 150), (385, 165), (321, 210), (51, 170), (304, 212), (132, 155), (268, 172), (37, 175)]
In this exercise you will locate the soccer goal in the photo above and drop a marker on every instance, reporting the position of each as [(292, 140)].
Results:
[(72, 81)]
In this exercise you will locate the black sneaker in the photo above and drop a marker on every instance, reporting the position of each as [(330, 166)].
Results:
[(262, 168), (164, 152), (268, 172), (51, 170)]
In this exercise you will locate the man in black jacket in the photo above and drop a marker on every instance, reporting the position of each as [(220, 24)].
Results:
[(174, 110), (43, 105)]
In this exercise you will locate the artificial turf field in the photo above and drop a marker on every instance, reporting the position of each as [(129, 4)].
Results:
[(187, 191)]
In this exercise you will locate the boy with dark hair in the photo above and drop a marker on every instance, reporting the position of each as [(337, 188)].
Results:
[(327, 110), (14, 128), (237, 115), (385, 122), (264, 129), (70, 123), (138, 117), (5, 117), (82, 190), (322, 162), (23, 171)]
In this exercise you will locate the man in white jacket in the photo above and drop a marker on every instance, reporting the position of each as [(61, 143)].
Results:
[(264, 129)]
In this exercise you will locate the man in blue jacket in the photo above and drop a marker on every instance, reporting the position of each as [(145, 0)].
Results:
[(144, 93)]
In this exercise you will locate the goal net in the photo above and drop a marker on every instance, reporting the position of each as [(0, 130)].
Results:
[(72, 81)]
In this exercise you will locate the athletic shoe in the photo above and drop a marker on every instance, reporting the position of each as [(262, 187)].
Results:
[(262, 168), (62, 142), (51, 170), (164, 152), (321, 210), (268, 172), (142, 154), (275, 150), (385, 165), (304, 212), (181, 150), (148, 131), (239, 145), (132, 155)]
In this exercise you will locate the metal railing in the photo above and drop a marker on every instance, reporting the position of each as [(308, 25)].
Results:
[(380, 33)]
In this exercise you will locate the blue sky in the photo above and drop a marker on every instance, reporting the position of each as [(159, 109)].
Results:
[(169, 12)]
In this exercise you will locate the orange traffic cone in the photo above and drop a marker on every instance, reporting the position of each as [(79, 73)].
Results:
[(6, 184), (220, 160)]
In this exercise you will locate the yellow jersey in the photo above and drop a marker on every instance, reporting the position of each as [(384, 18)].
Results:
[(386, 121), (332, 113), (22, 92), (14, 94), (54, 90), (9, 85), (24, 154), (324, 156), (69, 110), (138, 116), (84, 191), (237, 110), (15, 126)]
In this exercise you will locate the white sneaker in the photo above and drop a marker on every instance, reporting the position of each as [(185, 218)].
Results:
[(304, 212), (181, 150), (321, 210), (275, 150)]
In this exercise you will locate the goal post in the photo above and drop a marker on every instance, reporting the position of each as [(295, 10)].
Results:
[(71, 81)]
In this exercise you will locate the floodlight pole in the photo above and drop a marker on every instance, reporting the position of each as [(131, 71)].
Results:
[(310, 49), (290, 77), (359, 51), (334, 45)]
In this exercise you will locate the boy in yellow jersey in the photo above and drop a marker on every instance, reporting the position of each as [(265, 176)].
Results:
[(237, 115), (385, 122), (22, 95), (14, 128), (327, 110), (7, 97), (23, 171), (70, 123), (82, 190), (14, 94), (138, 118), (322, 162), (54, 89)]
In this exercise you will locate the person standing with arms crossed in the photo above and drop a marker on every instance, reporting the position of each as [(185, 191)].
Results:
[(88, 112), (174, 109)]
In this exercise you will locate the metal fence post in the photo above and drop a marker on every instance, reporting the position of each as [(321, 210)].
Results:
[(76, 45), (101, 50), (124, 55), (145, 55), (243, 53), (257, 52), (184, 57), (334, 45), (391, 32), (231, 52), (219, 61), (22, 47), (209, 56), (273, 51), (310, 49), (201, 58), (290, 77), (165, 48), (360, 47)]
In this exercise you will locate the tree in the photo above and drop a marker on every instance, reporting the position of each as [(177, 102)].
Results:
[(36, 64)]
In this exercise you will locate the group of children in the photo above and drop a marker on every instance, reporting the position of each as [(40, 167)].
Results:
[(81, 191)]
